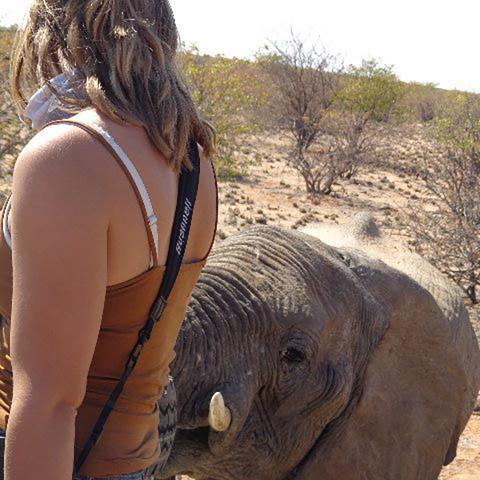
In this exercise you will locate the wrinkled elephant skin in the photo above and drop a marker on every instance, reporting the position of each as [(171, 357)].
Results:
[(334, 355)]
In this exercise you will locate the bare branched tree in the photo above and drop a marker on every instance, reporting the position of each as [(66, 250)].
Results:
[(352, 143), (450, 233), (306, 81)]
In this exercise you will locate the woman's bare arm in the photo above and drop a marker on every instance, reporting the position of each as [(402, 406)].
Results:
[(59, 235)]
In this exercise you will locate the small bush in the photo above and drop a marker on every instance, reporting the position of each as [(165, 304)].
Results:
[(450, 234), (227, 93), (13, 133), (305, 81)]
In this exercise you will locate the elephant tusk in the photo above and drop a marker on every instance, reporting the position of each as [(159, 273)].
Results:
[(219, 416)]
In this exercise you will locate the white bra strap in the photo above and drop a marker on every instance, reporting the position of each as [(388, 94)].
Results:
[(152, 219), (6, 231)]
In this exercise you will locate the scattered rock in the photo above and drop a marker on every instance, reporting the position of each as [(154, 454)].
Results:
[(261, 219)]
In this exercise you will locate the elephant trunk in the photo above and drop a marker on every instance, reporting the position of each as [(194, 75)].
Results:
[(216, 376)]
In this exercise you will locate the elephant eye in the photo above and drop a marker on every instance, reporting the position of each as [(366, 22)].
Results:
[(292, 355)]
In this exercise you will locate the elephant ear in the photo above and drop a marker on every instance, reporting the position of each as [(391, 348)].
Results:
[(403, 415)]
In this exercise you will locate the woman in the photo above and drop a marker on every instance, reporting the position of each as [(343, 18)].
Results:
[(86, 233)]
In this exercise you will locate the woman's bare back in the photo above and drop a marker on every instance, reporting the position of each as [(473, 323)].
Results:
[(127, 251)]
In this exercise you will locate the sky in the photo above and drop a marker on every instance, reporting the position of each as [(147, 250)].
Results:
[(424, 40)]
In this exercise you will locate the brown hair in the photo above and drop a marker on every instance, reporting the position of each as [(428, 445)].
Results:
[(123, 52)]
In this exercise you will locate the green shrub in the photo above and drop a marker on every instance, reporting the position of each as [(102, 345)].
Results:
[(228, 93)]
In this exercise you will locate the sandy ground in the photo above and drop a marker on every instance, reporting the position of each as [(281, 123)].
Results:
[(467, 464)]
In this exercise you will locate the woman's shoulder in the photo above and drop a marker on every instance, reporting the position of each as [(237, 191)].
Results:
[(62, 143), (64, 158)]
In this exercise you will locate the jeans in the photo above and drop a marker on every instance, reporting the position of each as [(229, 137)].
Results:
[(166, 430)]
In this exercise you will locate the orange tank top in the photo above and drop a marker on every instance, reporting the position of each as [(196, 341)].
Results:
[(130, 440)]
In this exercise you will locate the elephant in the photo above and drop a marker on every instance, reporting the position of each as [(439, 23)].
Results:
[(328, 353)]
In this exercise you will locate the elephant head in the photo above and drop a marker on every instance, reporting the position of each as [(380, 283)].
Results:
[(274, 357)]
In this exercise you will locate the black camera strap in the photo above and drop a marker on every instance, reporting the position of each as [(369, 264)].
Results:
[(187, 193)]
